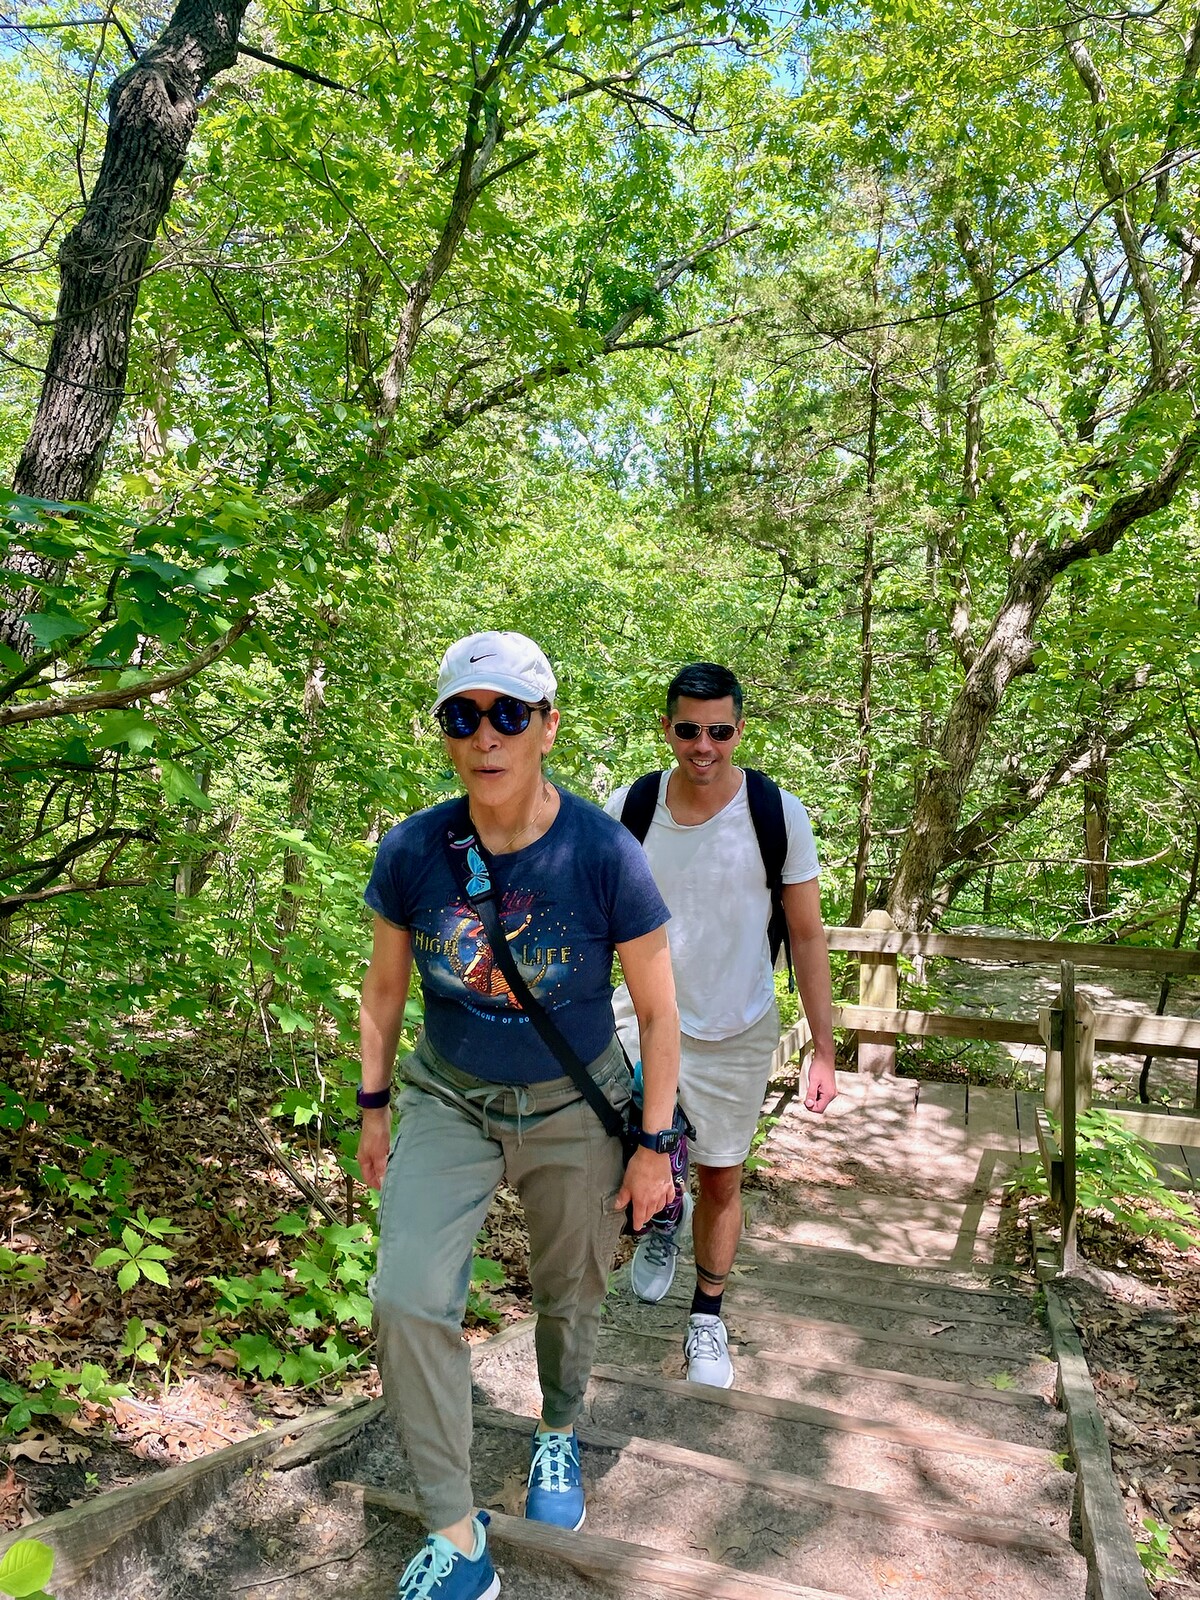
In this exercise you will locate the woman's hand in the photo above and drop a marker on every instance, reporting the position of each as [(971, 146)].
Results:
[(374, 1143), (648, 1183)]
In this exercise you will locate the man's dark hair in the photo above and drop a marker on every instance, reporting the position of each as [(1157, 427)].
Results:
[(704, 680)]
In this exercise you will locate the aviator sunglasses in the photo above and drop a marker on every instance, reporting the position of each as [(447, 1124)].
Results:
[(718, 732), (459, 718)]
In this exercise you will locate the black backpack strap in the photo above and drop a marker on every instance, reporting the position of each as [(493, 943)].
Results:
[(637, 813), (472, 869), (770, 829)]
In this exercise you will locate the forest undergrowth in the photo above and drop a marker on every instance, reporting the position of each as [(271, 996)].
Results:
[(1135, 1298), (250, 1309)]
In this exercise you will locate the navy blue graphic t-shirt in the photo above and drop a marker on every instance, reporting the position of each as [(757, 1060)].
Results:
[(564, 900)]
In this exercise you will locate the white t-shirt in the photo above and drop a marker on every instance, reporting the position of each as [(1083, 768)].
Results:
[(711, 875)]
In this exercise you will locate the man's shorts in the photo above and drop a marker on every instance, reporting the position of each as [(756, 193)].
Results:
[(722, 1084)]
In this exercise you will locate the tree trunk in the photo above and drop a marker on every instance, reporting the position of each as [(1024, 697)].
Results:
[(1164, 988), (866, 764), (300, 795), (1095, 831), (1005, 653), (152, 112)]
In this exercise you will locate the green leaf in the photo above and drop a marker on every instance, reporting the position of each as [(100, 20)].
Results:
[(289, 1020), (302, 1367), (48, 627), (124, 727), (115, 645), (155, 1271), (210, 578), (26, 1567), (256, 1353), (291, 1222), (179, 785), (127, 1277)]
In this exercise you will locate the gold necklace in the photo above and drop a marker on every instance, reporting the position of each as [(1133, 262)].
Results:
[(529, 826)]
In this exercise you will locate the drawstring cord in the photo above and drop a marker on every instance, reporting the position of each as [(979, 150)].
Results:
[(486, 1098)]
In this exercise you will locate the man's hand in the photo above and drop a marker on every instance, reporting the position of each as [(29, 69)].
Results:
[(648, 1184), (822, 1084), (374, 1142)]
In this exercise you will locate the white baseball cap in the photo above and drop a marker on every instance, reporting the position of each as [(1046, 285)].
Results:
[(509, 663)]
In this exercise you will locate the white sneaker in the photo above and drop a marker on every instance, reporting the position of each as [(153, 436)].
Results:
[(707, 1351), (652, 1270)]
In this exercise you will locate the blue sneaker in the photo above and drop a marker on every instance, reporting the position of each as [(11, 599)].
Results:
[(440, 1571), (555, 1483)]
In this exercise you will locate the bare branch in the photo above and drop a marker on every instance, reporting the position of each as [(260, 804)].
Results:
[(14, 902), (1154, 495), (298, 71), (1185, 238), (75, 22), (55, 866), (1115, 188)]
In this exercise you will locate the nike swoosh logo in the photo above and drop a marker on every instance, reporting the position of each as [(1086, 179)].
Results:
[(486, 656)]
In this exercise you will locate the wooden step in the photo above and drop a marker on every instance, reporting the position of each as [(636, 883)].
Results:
[(945, 1439), (790, 1287), (964, 1238), (1005, 1333), (635, 1564), (750, 1315), (985, 1393), (973, 1529), (843, 1264), (796, 1250)]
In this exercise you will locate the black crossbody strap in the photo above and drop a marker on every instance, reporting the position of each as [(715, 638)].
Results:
[(472, 869)]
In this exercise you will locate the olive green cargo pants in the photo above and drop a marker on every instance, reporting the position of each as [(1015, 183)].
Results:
[(457, 1136)]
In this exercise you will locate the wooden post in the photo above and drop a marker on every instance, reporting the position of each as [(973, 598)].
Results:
[(1069, 1090), (1085, 1051), (877, 986), (1050, 1028)]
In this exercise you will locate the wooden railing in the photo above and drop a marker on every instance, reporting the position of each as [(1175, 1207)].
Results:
[(874, 939), (878, 1021), (1070, 1031)]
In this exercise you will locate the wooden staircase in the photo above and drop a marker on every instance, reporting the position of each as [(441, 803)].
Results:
[(891, 1431)]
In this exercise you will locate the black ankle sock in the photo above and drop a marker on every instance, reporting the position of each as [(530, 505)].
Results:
[(707, 1305)]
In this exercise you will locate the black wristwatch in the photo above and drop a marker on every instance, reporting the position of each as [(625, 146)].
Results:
[(665, 1143)]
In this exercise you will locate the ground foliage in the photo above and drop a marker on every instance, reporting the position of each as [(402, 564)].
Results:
[(201, 1370), (1136, 1303)]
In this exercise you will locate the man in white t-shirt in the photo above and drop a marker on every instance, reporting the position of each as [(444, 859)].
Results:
[(708, 865)]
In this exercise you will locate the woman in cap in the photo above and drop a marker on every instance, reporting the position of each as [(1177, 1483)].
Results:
[(484, 1097)]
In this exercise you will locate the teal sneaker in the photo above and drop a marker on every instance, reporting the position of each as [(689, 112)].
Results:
[(555, 1481), (440, 1571)]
